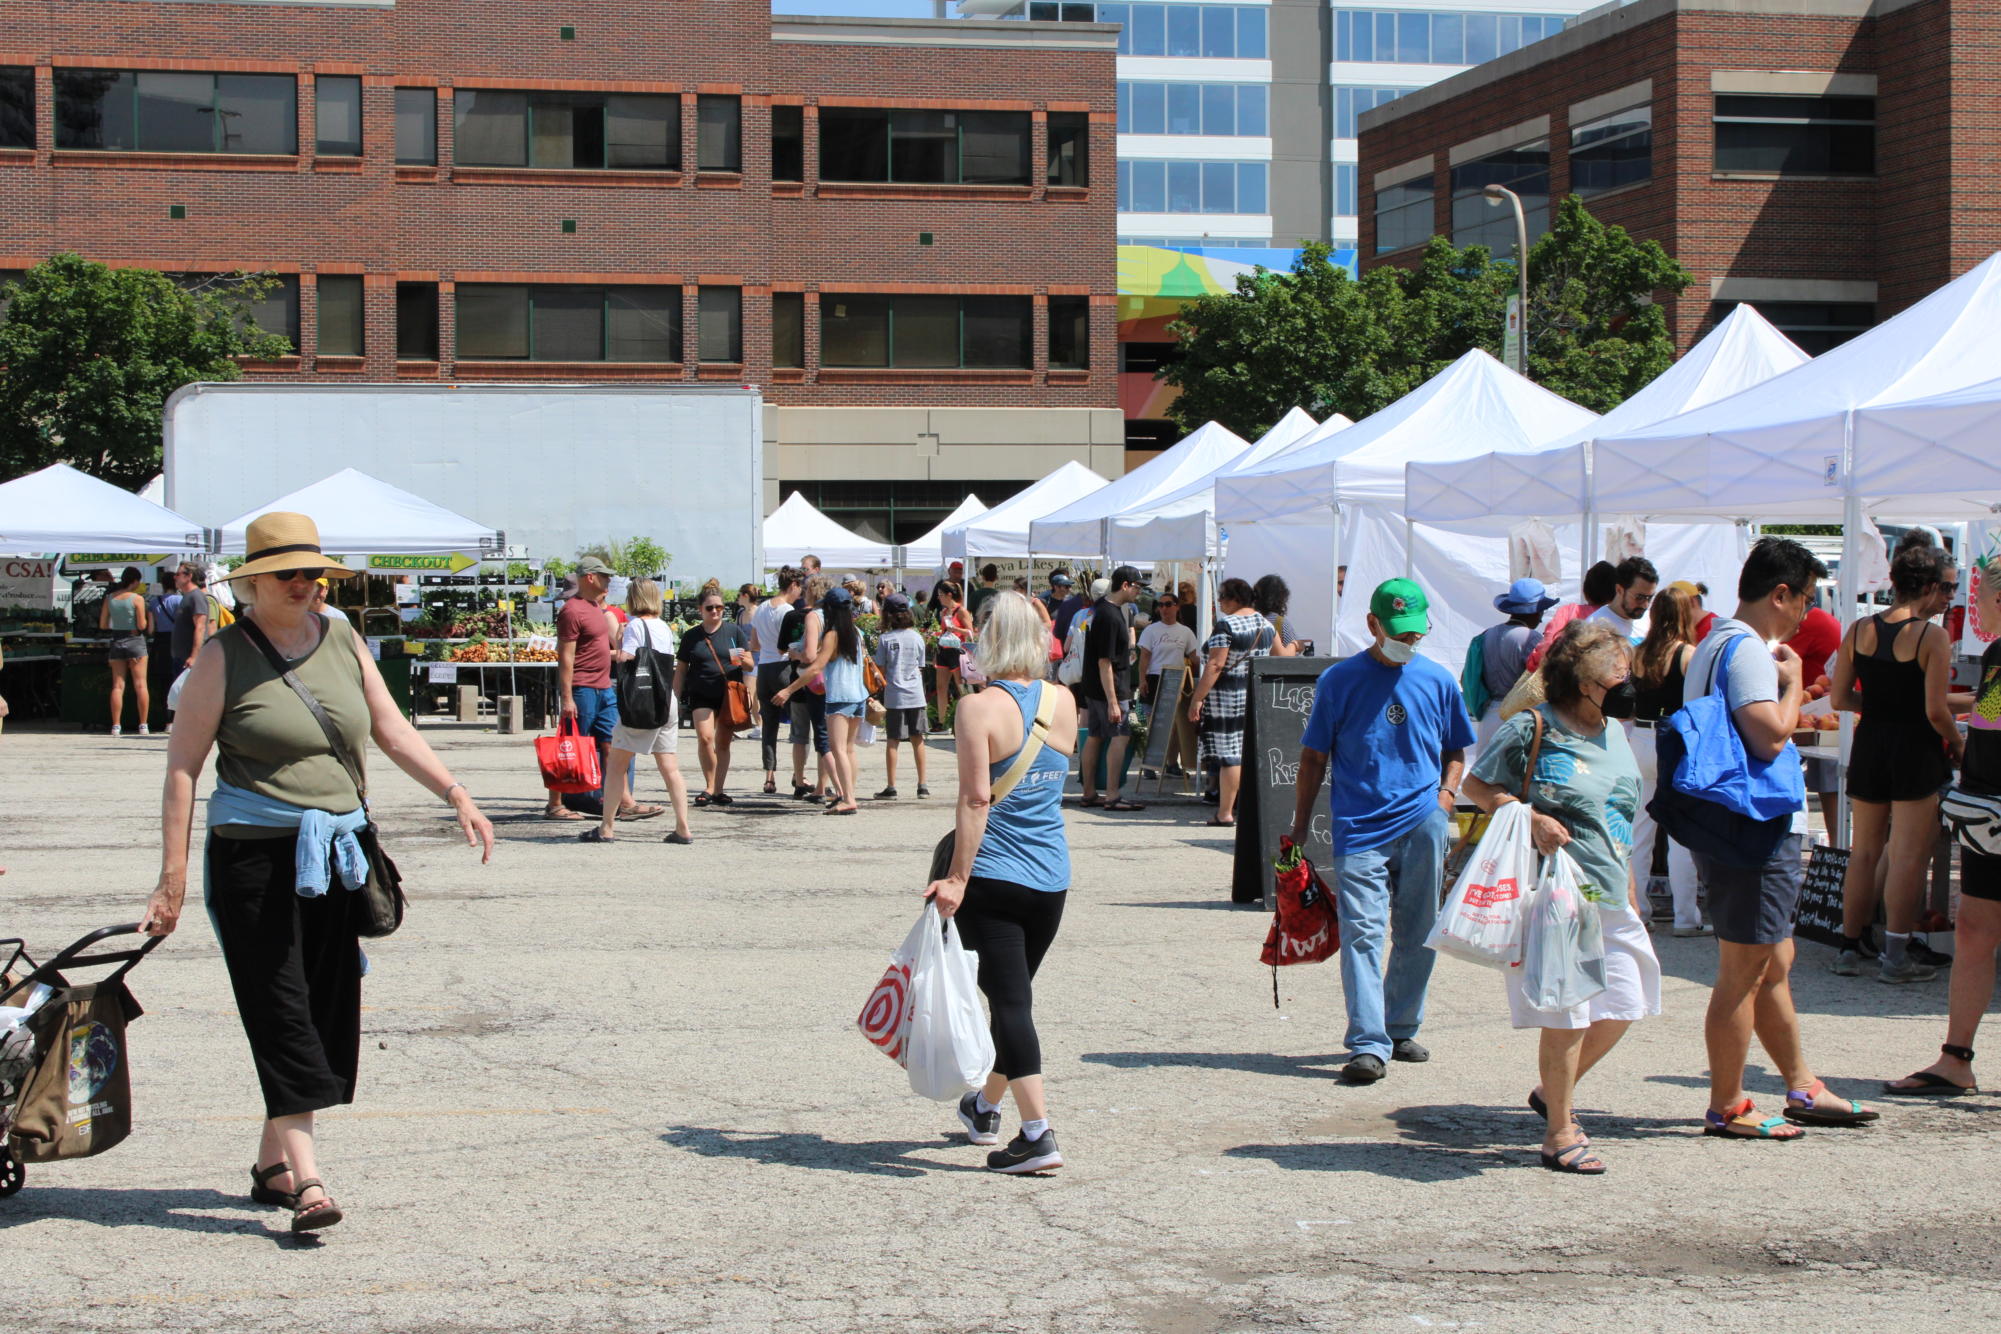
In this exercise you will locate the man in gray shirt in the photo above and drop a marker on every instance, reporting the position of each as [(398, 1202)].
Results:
[(1505, 648)]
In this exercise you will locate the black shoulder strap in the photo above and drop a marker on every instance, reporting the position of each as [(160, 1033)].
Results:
[(255, 634)]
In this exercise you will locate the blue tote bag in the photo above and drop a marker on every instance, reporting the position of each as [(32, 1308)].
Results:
[(1721, 803)]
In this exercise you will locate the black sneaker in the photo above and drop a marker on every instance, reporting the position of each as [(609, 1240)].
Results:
[(1175, 771), (981, 1127), (923, 791), (1919, 952), (1410, 1049), (886, 794), (1021, 1156), (1364, 1069)]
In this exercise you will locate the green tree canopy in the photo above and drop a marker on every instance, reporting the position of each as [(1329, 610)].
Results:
[(89, 355), (1317, 339)]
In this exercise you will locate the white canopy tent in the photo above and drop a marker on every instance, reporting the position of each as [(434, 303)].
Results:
[(1905, 450), (1083, 527), (60, 509), (928, 551), (360, 515), (796, 529), (1182, 525), (1003, 530)]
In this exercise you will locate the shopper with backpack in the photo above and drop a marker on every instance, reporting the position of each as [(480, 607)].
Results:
[(649, 715)]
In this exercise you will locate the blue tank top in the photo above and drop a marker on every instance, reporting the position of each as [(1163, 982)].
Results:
[(1025, 843), (844, 677)]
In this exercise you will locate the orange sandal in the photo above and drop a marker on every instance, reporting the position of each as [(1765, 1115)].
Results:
[(1740, 1122)]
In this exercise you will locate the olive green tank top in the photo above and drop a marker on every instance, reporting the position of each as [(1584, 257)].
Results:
[(123, 616), (270, 743)]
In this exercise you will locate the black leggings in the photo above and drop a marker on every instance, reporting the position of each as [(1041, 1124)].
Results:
[(772, 677), (1011, 928)]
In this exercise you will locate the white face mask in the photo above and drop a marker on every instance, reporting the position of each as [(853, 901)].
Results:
[(1397, 651)]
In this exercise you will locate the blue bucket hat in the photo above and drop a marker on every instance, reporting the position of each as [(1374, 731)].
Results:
[(1523, 597)]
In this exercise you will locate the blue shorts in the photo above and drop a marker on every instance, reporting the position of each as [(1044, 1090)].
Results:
[(845, 709)]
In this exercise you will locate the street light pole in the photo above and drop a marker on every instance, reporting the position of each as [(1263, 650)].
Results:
[(1498, 195)]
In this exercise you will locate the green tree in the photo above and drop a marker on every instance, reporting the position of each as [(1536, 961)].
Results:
[(635, 558), (1317, 339), (91, 354)]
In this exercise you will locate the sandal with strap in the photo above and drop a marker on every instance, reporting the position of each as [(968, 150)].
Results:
[(1925, 1084), (1746, 1127), (263, 1194), (1800, 1109), (313, 1217), (1576, 1159)]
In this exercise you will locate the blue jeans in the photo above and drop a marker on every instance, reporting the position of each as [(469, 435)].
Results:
[(597, 714), (1393, 890)]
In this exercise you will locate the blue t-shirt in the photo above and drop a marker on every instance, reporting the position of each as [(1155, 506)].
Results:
[(1386, 729)]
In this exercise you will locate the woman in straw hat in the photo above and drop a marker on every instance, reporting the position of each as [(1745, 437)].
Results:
[(280, 860)]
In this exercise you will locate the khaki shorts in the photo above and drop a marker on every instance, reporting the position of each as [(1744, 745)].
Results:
[(645, 740)]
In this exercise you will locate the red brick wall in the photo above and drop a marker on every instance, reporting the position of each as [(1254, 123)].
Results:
[(304, 216)]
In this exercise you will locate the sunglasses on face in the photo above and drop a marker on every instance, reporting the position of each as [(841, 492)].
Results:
[(287, 576), (712, 606)]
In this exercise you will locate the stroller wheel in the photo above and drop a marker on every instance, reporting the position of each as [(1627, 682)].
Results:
[(13, 1174)]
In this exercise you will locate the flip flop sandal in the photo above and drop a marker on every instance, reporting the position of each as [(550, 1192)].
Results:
[(1771, 1128), (770, 787), (1223, 824), (595, 835), (1929, 1085), (722, 799), (801, 791), (701, 799), (313, 1217), (1578, 1160), (1124, 805), (564, 814), (1801, 1111), (682, 839), (1090, 801), (642, 812), (263, 1194)]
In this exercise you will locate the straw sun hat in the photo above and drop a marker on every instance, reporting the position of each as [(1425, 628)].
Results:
[(283, 541)]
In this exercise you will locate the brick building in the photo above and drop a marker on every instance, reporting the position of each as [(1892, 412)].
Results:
[(901, 229), (1831, 161)]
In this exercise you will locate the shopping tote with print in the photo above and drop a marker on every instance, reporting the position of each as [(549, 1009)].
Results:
[(1481, 921)]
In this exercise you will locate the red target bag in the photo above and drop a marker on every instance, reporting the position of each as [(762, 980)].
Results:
[(885, 1017), (1304, 927), (569, 759)]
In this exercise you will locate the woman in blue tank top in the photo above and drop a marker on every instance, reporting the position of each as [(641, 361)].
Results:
[(1010, 871)]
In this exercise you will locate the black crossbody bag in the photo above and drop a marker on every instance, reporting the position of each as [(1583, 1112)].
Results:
[(378, 904)]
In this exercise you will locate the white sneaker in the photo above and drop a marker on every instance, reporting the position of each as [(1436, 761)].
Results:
[(116, 730), (145, 730)]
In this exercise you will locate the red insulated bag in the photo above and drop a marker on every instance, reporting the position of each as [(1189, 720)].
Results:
[(1304, 928), (569, 760)]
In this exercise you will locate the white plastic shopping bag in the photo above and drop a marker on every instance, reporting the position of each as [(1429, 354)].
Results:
[(1481, 920), (885, 1018), (1563, 943), (174, 690), (865, 735), (950, 1049)]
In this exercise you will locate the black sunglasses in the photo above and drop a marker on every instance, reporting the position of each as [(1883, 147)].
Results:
[(712, 606), (287, 576)]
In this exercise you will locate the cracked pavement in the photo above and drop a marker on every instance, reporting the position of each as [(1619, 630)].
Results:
[(621, 1089)]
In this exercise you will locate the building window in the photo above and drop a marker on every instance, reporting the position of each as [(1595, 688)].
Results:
[(926, 147), (1194, 108), (1192, 187), (1147, 358), (1435, 37), (337, 115), (1214, 31), (1346, 190), (17, 107), (417, 127), (926, 332), (562, 131), (158, 112), (1796, 136), (788, 143), (1403, 214), (510, 321), (719, 330), (788, 329), (417, 319), (1351, 101), (718, 133), (1069, 333), (1069, 148), (1523, 169), (1199, 242), (1815, 325), (1048, 11), (1612, 151), (275, 312), (340, 323)]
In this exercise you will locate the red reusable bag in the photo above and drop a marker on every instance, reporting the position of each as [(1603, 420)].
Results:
[(1304, 928), (569, 760)]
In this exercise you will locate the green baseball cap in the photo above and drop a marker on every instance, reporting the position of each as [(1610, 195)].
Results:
[(1400, 606)]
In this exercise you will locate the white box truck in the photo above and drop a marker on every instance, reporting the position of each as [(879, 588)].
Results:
[(554, 467)]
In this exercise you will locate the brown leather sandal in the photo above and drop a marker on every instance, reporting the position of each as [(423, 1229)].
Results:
[(263, 1194), (313, 1217)]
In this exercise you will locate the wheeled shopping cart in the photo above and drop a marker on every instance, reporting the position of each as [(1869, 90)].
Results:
[(65, 1090)]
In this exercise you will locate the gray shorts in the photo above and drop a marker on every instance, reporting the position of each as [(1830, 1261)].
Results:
[(907, 724), (1754, 905), (1098, 717), (128, 648)]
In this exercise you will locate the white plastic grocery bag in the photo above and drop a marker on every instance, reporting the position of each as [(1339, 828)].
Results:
[(950, 1049), (885, 1017), (174, 690), (1563, 944), (1481, 920)]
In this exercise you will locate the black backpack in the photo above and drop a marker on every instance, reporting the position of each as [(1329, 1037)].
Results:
[(646, 687)]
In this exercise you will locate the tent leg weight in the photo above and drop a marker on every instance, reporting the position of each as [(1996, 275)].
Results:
[(468, 704), (508, 709)]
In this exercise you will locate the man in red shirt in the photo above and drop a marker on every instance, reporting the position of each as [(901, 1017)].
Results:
[(583, 684), (1818, 637)]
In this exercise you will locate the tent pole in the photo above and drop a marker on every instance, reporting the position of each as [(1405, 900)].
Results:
[(1850, 587), (1334, 620), (1588, 540), (1409, 547)]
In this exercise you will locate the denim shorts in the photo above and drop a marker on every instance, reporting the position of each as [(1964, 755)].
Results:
[(845, 709)]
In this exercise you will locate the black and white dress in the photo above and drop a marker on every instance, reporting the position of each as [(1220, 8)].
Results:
[(1246, 635)]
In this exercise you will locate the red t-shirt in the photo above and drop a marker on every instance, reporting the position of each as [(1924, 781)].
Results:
[(1818, 637), (581, 622), (1702, 626)]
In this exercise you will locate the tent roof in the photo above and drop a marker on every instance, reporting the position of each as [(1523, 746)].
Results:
[(360, 515), (796, 529), (61, 509), (1904, 450), (1778, 449), (1003, 530), (1080, 528), (1473, 406), (1742, 351), (928, 551)]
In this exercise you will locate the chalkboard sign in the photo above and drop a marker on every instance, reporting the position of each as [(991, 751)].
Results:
[(1280, 701), (1160, 722), (1819, 916)]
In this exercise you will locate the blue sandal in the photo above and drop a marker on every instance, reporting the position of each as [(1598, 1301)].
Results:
[(1801, 1111), (1577, 1160), (1772, 1127)]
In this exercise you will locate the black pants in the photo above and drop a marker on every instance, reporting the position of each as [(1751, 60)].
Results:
[(1011, 928), (296, 970), (772, 677)]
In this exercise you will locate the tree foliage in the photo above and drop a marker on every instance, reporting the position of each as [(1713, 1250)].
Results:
[(91, 353), (635, 557), (1317, 339)]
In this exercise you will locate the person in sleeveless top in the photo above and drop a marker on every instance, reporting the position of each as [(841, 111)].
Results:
[(1895, 669), (125, 615), (1010, 871), (281, 857), (1660, 668)]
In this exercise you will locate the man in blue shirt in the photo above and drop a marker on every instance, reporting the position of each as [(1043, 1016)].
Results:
[(1392, 728)]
